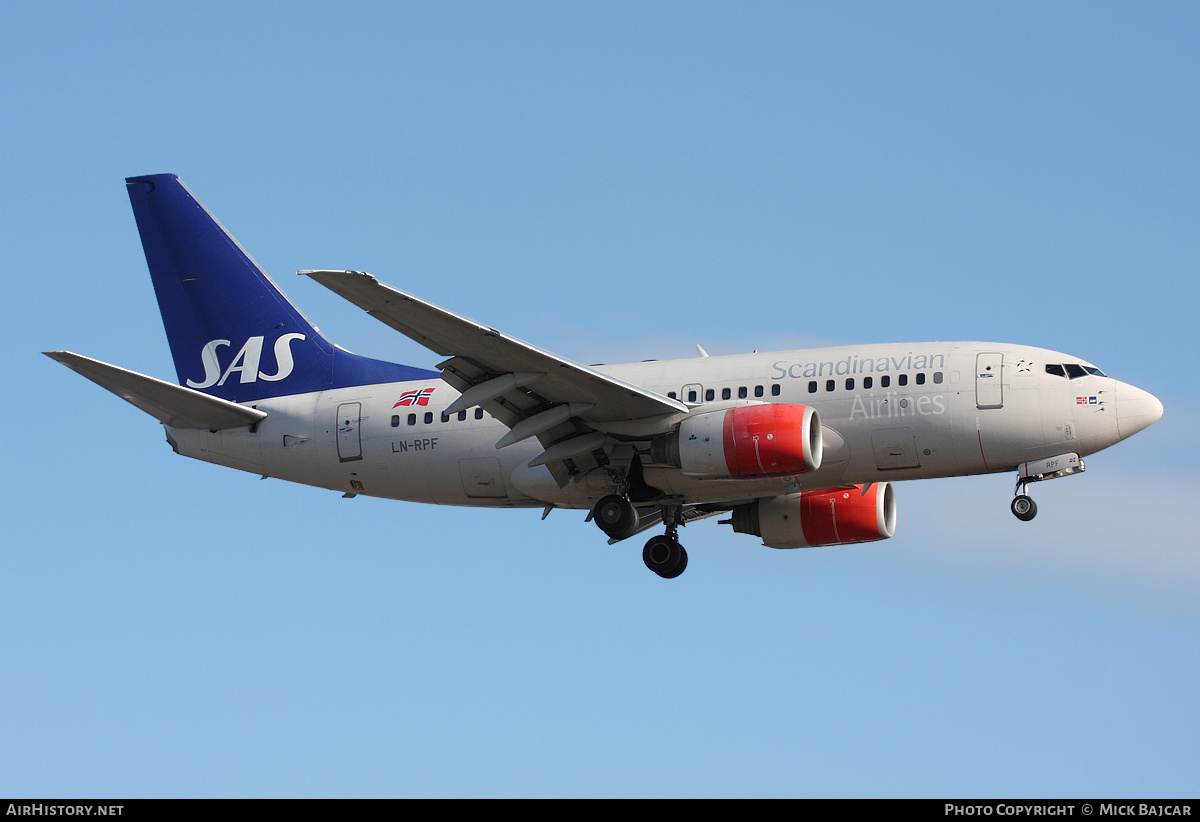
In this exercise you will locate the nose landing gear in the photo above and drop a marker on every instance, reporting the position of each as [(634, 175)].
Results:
[(1023, 506), (1064, 465)]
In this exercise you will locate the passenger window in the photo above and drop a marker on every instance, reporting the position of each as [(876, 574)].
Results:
[(710, 395), (812, 386), (395, 420), (849, 383), (478, 413), (671, 394), (428, 417), (726, 393), (902, 379), (775, 390), (445, 417), (412, 419), (758, 392), (885, 381), (868, 382), (937, 377), (742, 392), (691, 396), (921, 378), (462, 415), (830, 385)]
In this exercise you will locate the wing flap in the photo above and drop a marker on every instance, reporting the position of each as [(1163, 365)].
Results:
[(170, 404)]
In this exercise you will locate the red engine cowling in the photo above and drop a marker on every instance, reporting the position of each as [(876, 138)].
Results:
[(830, 516), (772, 439)]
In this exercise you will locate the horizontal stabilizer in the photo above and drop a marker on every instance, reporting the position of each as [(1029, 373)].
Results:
[(170, 404)]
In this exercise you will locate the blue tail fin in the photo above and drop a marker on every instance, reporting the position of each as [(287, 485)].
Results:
[(233, 334)]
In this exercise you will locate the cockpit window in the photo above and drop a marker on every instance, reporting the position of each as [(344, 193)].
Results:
[(1073, 370)]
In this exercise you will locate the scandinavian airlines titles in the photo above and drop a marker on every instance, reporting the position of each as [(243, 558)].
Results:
[(854, 364), (893, 405)]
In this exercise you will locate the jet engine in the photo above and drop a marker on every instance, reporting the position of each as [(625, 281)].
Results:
[(830, 516), (767, 440)]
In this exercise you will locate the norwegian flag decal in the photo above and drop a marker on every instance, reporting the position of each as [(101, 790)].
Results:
[(420, 397)]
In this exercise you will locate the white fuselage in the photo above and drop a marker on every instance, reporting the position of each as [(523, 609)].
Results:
[(889, 412)]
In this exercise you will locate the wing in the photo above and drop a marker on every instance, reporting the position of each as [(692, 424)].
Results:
[(567, 406)]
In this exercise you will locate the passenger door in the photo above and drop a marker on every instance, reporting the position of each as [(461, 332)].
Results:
[(989, 390)]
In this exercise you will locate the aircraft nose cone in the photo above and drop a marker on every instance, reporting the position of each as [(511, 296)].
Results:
[(1136, 409)]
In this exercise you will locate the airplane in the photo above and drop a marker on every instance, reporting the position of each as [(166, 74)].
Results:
[(799, 448)]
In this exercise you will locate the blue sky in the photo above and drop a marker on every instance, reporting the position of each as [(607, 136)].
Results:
[(611, 182)]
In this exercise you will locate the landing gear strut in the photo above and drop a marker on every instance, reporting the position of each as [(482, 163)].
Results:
[(1023, 506), (664, 555)]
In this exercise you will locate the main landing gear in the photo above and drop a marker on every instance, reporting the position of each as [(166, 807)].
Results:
[(618, 518), (665, 556)]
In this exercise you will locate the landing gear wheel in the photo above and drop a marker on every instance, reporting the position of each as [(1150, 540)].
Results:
[(665, 557), (1024, 508), (616, 516)]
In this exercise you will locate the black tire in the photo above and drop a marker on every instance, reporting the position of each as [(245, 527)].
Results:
[(680, 565), (1024, 508), (616, 516), (665, 557)]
